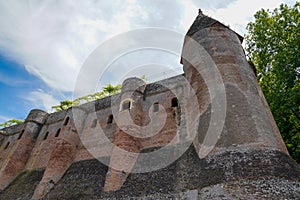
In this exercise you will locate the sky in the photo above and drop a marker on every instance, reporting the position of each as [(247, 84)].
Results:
[(43, 44)]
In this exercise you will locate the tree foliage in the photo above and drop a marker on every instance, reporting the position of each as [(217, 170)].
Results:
[(108, 90), (8, 123), (11, 122), (273, 44), (63, 105)]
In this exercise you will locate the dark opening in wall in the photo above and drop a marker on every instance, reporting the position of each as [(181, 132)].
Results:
[(126, 105), (110, 119), (7, 144), (155, 107), (66, 121), (57, 133), (94, 123), (46, 135), (174, 102), (21, 134)]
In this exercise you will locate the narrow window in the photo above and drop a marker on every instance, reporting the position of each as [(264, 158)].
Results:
[(126, 105), (46, 135), (174, 102), (94, 123), (21, 134), (66, 121), (7, 144), (110, 119), (57, 133), (155, 107)]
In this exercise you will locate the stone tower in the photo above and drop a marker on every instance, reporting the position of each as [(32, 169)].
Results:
[(129, 118), (249, 143), (248, 120)]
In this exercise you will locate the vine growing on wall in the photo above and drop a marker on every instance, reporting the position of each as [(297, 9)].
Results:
[(108, 90)]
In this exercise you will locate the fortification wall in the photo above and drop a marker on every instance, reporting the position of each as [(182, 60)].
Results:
[(18, 146), (46, 141), (8, 143), (57, 144)]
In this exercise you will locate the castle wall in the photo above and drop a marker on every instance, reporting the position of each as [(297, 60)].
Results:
[(46, 137), (46, 141), (63, 153), (96, 122), (57, 144), (169, 129), (8, 143), (19, 152)]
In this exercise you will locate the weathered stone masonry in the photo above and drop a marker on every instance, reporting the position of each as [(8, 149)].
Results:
[(249, 161)]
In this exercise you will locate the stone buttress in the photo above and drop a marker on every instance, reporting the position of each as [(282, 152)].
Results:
[(18, 152)]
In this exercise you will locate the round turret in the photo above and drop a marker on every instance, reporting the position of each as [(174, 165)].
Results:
[(37, 116), (133, 84)]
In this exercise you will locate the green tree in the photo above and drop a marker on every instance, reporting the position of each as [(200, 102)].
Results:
[(11, 122), (108, 90), (144, 78), (8, 123), (273, 44), (63, 105)]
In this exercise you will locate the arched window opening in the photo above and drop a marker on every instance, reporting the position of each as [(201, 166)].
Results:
[(155, 107), (21, 134), (57, 133), (174, 102), (110, 119), (7, 144), (126, 104), (66, 121), (46, 135), (94, 123)]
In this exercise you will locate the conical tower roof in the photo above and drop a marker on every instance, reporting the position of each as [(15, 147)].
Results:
[(202, 21)]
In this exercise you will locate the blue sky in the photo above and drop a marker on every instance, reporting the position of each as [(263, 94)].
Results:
[(43, 44)]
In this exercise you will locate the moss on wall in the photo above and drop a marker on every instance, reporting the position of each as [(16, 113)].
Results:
[(23, 186), (83, 180)]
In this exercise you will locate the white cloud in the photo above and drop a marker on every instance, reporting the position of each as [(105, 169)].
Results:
[(240, 13), (41, 99), (235, 13), (213, 4), (53, 38)]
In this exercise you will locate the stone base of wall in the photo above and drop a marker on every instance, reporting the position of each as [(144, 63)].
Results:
[(23, 186), (232, 174), (263, 189)]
